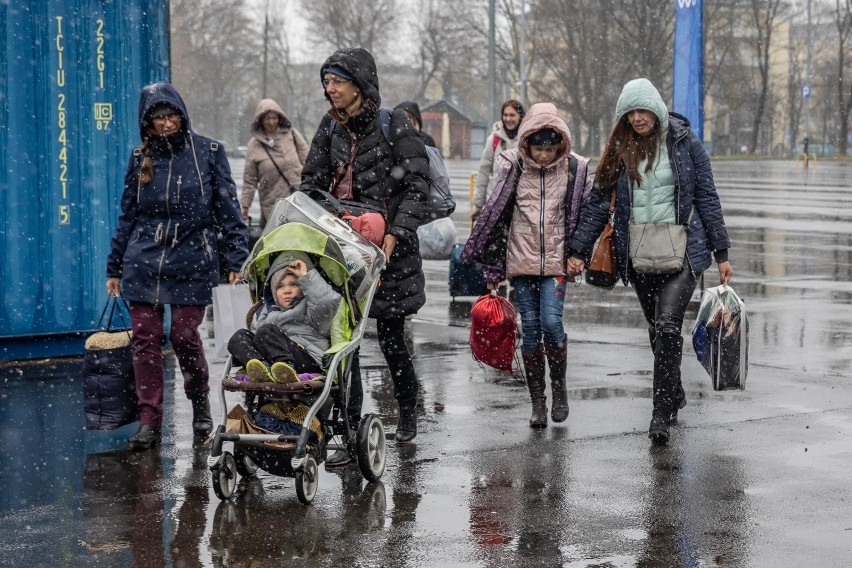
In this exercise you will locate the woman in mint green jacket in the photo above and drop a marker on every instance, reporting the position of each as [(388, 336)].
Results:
[(660, 174)]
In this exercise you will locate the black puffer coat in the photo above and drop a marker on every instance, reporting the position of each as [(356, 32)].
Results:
[(390, 176), (165, 247)]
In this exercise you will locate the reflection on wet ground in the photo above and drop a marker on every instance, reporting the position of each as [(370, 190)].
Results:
[(479, 488)]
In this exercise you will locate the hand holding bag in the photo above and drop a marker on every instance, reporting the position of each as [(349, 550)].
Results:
[(602, 270), (109, 386), (231, 303)]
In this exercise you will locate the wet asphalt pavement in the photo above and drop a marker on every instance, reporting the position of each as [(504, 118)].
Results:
[(757, 478)]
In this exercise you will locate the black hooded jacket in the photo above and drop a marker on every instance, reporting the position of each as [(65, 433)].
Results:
[(390, 177), (165, 247)]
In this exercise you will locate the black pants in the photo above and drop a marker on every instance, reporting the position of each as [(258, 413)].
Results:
[(270, 345), (391, 333), (664, 299)]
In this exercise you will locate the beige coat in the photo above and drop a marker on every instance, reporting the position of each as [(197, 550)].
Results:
[(536, 244), (289, 150)]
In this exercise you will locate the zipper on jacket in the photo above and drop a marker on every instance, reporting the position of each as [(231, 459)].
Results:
[(168, 226), (178, 188), (541, 223), (677, 191)]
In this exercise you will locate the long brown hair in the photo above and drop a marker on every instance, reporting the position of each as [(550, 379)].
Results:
[(146, 172), (626, 146)]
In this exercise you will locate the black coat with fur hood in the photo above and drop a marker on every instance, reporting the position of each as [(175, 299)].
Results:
[(392, 177)]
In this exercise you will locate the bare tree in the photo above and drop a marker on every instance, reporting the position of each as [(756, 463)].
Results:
[(340, 24), (764, 16), (645, 39), (214, 47), (440, 40), (842, 19)]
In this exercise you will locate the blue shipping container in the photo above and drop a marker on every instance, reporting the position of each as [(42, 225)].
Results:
[(70, 76)]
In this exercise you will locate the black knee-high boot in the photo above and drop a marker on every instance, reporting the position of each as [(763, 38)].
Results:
[(668, 351), (534, 370), (557, 361)]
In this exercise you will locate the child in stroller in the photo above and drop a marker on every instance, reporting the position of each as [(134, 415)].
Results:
[(289, 331), (290, 424)]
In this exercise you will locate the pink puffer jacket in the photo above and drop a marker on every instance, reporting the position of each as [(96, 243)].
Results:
[(536, 243)]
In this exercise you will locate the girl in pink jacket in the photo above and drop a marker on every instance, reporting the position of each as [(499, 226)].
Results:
[(523, 235)]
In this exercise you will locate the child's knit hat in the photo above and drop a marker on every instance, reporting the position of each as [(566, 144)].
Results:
[(279, 266)]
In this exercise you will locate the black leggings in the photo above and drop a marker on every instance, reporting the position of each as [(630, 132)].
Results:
[(271, 345), (391, 333), (664, 299)]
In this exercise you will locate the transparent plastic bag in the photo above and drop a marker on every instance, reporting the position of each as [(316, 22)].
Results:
[(720, 338)]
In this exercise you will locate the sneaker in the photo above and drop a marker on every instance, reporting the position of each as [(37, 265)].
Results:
[(258, 372), (284, 373), (658, 431), (338, 459)]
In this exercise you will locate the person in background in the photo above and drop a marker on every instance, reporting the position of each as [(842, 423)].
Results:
[(504, 136), (412, 109), (660, 173), (274, 159), (523, 234), (351, 159), (178, 193)]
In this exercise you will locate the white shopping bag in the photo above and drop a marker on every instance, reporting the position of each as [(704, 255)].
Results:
[(231, 303), (437, 239)]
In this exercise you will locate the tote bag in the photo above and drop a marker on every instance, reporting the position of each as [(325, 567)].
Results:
[(109, 387), (231, 303)]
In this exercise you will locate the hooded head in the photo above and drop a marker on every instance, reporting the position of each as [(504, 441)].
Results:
[(357, 65), (160, 97), (413, 109), (641, 94), (263, 107), (542, 123)]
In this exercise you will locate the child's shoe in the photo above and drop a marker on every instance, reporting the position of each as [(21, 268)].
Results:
[(258, 372), (284, 373)]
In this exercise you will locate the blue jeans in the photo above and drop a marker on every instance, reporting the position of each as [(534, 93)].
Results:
[(541, 300)]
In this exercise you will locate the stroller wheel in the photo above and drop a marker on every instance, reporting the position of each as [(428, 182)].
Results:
[(372, 447), (224, 476), (245, 465), (307, 480)]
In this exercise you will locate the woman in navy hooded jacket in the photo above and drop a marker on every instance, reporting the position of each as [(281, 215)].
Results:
[(178, 195), (660, 173)]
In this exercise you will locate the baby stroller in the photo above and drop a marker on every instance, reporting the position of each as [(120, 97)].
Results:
[(353, 266)]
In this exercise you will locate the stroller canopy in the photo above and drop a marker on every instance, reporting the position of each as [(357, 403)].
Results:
[(295, 237)]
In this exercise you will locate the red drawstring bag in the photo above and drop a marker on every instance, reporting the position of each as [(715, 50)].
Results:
[(493, 331)]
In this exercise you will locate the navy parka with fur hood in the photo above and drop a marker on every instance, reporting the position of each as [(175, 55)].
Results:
[(165, 247), (392, 178), (694, 188)]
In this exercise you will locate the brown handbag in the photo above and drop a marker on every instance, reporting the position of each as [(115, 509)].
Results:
[(602, 270)]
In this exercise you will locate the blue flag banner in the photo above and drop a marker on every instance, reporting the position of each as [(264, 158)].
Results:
[(688, 91)]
